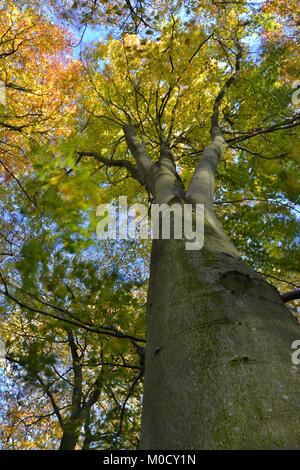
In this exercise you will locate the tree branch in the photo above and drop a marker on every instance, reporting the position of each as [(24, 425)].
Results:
[(137, 377), (140, 155), (215, 129), (109, 162), (202, 185), (244, 135), (77, 385), (109, 331), (291, 295), (53, 402), (167, 182)]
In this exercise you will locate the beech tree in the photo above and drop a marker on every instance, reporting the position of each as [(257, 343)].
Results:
[(196, 107)]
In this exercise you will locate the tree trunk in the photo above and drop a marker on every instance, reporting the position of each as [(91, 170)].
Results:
[(70, 436), (218, 371)]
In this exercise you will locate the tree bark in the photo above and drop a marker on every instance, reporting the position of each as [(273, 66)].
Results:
[(70, 436), (218, 369), (219, 373)]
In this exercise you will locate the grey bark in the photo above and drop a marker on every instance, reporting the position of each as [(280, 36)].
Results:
[(218, 370)]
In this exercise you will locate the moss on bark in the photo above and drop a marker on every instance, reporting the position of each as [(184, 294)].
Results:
[(219, 373)]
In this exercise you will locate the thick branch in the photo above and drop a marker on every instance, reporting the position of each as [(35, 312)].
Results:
[(167, 181), (292, 295), (201, 188), (14, 86), (132, 170), (95, 393), (202, 185), (140, 155), (77, 369)]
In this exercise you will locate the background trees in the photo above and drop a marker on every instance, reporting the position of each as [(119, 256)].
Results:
[(73, 309)]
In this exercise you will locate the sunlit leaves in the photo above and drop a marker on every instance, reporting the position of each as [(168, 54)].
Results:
[(161, 69)]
